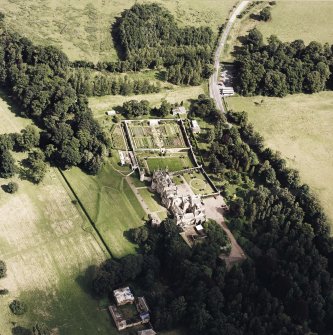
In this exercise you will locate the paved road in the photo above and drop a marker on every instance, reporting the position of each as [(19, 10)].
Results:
[(214, 91)]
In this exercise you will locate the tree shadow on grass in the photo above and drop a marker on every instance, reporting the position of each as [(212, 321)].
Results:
[(12, 105), (114, 31), (85, 280)]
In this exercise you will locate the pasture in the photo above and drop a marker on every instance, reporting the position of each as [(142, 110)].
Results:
[(81, 28), (309, 21), (50, 252), (291, 20), (300, 127), (111, 204)]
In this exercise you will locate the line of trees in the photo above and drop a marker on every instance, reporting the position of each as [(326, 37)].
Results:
[(278, 69), (35, 77), (91, 84)]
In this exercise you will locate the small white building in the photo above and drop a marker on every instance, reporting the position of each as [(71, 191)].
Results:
[(123, 296), (181, 110), (195, 126), (153, 122), (112, 112)]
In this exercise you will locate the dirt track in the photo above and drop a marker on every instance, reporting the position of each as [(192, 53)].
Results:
[(214, 211)]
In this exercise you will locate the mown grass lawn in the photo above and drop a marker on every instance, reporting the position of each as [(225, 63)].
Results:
[(151, 199), (300, 127), (175, 163), (111, 204)]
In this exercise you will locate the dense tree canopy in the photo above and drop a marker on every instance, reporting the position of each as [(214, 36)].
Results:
[(36, 79), (277, 68), (148, 36)]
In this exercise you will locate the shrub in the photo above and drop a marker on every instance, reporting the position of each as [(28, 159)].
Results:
[(3, 269), (4, 291), (11, 187), (17, 307)]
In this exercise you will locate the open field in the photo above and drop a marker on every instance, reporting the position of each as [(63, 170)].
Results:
[(100, 105), (81, 28), (111, 204), (291, 20), (300, 127), (47, 244), (306, 20)]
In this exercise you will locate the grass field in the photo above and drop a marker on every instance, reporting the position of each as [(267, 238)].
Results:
[(300, 127), (111, 204), (81, 28), (291, 20), (48, 245), (306, 20), (9, 121), (100, 105)]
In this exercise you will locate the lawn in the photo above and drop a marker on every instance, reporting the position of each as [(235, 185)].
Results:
[(151, 200), (198, 183), (81, 28), (100, 105), (173, 163), (111, 204), (50, 251), (300, 127)]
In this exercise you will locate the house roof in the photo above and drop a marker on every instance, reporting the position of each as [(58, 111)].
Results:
[(123, 295)]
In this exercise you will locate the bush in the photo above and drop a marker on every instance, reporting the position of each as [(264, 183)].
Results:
[(11, 187), (17, 307), (3, 269), (4, 291), (18, 330)]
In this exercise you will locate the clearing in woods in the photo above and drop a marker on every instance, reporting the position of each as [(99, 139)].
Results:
[(300, 127), (81, 28), (48, 245)]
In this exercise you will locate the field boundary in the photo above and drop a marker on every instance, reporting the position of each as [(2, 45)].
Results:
[(86, 213)]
